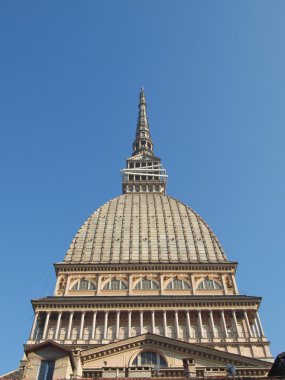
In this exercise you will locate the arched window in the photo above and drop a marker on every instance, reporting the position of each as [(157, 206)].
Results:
[(175, 283), (145, 284), (84, 285), (149, 358), (208, 284), (115, 284)]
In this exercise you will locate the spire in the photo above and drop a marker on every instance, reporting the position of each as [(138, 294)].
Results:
[(144, 172), (143, 142)]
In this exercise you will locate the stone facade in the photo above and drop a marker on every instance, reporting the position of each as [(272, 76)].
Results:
[(145, 284)]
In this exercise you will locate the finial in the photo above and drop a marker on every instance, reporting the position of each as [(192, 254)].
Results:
[(142, 97), (143, 140)]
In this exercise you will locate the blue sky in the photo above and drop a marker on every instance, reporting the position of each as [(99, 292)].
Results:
[(70, 73)]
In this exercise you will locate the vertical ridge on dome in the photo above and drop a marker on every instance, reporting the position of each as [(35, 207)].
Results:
[(145, 228)]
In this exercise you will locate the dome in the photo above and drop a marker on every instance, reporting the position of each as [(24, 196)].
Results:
[(145, 228)]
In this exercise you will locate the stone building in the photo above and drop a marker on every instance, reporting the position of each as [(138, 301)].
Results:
[(145, 284)]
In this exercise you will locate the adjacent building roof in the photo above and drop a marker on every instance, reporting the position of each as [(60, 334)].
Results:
[(145, 228), (17, 374)]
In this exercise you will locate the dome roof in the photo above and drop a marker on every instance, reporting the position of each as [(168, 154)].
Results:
[(145, 228)]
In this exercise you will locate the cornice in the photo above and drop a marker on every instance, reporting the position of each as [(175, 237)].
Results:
[(87, 346), (166, 343), (138, 267), (146, 302)]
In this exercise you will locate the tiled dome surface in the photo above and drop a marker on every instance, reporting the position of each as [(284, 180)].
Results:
[(144, 228)]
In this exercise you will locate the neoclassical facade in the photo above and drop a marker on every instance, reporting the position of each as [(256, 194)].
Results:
[(145, 284)]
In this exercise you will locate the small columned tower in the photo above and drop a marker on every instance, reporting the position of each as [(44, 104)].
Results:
[(144, 172)]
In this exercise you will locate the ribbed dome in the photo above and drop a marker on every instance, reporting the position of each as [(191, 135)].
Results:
[(145, 228)]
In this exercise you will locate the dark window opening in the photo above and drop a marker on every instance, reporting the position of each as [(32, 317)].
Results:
[(149, 358), (46, 370)]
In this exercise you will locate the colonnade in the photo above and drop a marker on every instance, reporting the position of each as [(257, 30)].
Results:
[(198, 324)]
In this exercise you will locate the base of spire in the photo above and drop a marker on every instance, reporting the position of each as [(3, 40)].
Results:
[(144, 175)]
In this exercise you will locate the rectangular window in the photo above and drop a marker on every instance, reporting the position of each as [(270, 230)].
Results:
[(46, 370)]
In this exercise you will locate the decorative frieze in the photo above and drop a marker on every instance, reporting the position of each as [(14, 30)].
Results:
[(165, 268)]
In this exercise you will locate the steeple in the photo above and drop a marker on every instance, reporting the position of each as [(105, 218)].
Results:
[(144, 172), (143, 142)]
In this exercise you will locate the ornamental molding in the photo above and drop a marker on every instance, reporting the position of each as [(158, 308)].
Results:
[(151, 267), (229, 282), (61, 285), (136, 303), (170, 344), (87, 346)]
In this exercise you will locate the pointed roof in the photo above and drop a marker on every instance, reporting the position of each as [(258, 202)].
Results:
[(143, 142), (142, 124), (54, 346), (16, 374)]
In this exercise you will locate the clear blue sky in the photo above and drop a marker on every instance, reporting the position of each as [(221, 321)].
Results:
[(70, 73)]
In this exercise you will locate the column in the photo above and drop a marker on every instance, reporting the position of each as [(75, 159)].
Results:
[(176, 323), (212, 324), (34, 326), (161, 284), (130, 290), (58, 325), (235, 322), (46, 324), (247, 324), (153, 321), (70, 325), (82, 325), (256, 329), (188, 324), (105, 325), (165, 323), (129, 324), (99, 285), (193, 284), (67, 286), (260, 325), (141, 322), (200, 323), (235, 284), (94, 325), (225, 290), (117, 325), (224, 324)]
